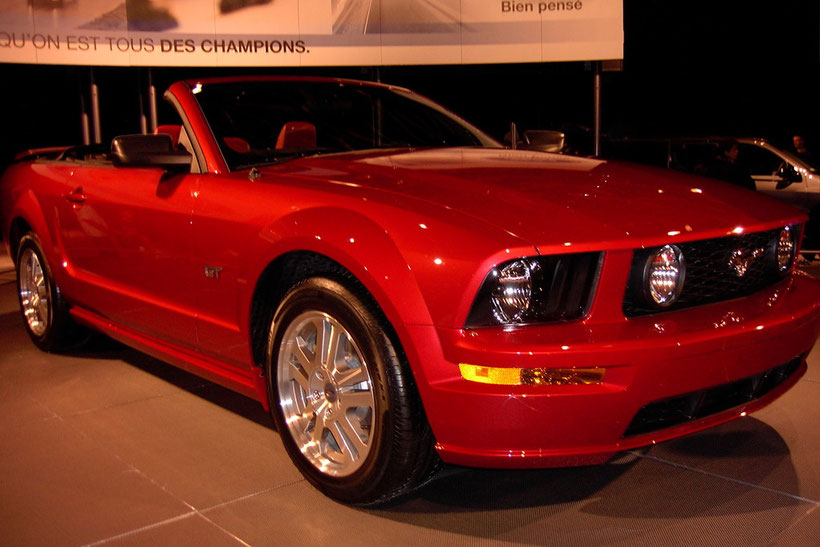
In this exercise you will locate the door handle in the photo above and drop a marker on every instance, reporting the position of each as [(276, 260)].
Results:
[(76, 196)]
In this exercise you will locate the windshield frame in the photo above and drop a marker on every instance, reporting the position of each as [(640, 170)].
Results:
[(377, 92)]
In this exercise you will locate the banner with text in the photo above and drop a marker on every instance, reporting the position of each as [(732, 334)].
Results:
[(307, 32)]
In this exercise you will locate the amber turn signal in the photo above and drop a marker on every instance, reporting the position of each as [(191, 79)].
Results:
[(531, 376)]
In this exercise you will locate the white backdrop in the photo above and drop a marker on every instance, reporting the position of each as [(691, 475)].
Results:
[(307, 32)]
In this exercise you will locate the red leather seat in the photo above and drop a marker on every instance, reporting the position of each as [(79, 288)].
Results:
[(297, 135), (172, 130)]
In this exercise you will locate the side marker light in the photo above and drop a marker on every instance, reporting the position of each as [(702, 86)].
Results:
[(504, 376)]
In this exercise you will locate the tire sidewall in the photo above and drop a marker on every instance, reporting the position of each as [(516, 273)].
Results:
[(330, 297)]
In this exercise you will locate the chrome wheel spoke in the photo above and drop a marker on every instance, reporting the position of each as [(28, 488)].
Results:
[(303, 421), (33, 292), (307, 362), (299, 374), (316, 434), (330, 343), (297, 398), (350, 378), (42, 309), (325, 393), (350, 443), (356, 399)]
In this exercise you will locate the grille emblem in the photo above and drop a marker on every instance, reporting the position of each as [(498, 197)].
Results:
[(741, 259)]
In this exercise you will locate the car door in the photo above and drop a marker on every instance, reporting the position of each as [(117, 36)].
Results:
[(127, 239), (227, 223), (766, 167)]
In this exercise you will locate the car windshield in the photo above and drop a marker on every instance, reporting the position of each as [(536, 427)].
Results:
[(262, 122), (809, 163)]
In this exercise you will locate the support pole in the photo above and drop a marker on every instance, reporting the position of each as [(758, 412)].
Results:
[(83, 111), (597, 122), (152, 103), (95, 110), (143, 118)]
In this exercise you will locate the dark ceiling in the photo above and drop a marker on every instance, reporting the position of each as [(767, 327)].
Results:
[(690, 68)]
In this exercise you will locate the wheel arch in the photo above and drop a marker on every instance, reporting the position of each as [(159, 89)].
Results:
[(287, 270), (18, 228), (26, 215), (362, 252)]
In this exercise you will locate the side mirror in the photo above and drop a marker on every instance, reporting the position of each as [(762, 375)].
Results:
[(149, 151), (788, 175)]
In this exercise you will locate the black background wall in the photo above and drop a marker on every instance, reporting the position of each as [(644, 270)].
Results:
[(690, 67)]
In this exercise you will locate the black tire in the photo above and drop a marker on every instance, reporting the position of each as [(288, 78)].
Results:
[(394, 452), (45, 313)]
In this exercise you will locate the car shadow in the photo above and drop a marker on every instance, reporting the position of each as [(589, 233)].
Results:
[(742, 467), (213, 393), (102, 347)]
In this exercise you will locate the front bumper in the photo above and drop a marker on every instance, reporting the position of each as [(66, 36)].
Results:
[(649, 361)]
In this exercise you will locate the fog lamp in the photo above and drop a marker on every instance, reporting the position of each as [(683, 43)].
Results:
[(785, 249), (663, 275), (513, 292), (531, 376)]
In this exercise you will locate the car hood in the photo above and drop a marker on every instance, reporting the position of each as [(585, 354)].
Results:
[(551, 200)]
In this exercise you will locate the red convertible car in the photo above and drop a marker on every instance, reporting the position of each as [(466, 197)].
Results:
[(400, 290)]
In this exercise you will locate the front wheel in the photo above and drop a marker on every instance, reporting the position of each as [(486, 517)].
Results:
[(45, 313), (342, 398)]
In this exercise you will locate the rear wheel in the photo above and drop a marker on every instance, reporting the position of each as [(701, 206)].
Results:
[(44, 311), (343, 400)]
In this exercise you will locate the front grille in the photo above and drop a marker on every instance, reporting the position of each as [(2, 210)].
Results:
[(710, 276), (705, 402)]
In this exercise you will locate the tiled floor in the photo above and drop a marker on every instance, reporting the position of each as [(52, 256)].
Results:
[(116, 448)]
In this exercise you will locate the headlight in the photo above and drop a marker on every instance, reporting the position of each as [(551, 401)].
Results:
[(786, 247), (664, 274), (537, 289), (513, 292)]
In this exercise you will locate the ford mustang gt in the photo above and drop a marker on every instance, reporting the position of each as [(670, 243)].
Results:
[(400, 290)]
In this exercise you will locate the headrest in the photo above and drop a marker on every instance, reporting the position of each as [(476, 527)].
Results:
[(172, 130), (297, 135)]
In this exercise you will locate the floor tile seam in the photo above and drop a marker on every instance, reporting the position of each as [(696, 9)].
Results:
[(774, 540), (129, 465), (51, 415), (192, 513), (108, 407), (29, 423), (725, 478), (145, 528), (220, 505), (134, 468), (225, 531)]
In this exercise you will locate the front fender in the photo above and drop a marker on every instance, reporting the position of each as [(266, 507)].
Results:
[(423, 271), (357, 243), (27, 208)]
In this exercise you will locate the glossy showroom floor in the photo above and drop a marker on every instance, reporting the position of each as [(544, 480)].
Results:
[(115, 448)]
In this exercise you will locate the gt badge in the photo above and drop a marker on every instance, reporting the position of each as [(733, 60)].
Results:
[(213, 272)]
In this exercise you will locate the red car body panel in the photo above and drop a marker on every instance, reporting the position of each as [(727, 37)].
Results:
[(421, 230)]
